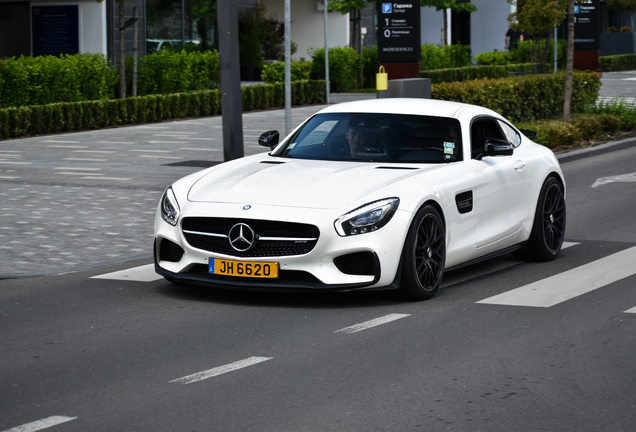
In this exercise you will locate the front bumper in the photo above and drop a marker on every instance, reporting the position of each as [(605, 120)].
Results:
[(314, 271)]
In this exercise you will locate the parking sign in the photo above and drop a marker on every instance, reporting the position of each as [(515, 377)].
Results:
[(387, 7)]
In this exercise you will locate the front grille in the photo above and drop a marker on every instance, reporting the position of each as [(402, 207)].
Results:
[(263, 228), (359, 263)]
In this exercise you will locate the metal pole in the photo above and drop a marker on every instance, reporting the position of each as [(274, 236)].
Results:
[(183, 25), (555, 50), (287, 67), (326, 53), (231, 101), (135, 50)]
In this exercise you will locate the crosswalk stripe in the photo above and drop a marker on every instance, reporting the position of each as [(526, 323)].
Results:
[(486, 267), (145, 273), (632, 310), (573, 283)]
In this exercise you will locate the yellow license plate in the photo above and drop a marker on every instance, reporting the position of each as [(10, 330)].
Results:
[(243, 268)]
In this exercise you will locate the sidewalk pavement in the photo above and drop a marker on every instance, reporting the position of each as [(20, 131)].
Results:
[(79, 200), (86, 199)]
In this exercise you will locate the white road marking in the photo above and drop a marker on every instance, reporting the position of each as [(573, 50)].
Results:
[(60, 141), (573, 283), (623, 178), (220, 370), (199, 149), (107, 178), (94, 151), (150, 151), (66, 146), (8, 178), (632, 310), (86, 160), (115, 142), (77, 169), (145, 273), (153, 127), (41, 424), (200, 139), (160, 157), (486, 267), (167, 142), (174, 133), (372, 323), (78, 173), (3, 162)]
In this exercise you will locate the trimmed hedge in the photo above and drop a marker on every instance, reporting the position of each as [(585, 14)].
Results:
[(526, 97), (474, 72), (557, 133), (48, 79), (86, 115), (167, 72), (617, 63)]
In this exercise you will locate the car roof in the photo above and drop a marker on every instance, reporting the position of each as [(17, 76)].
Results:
[(415, 106)]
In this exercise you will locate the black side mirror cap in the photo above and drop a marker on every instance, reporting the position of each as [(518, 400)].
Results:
[(497, 147), (269, 139)]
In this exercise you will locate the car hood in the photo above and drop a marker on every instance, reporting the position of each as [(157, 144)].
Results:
[(298, 183)]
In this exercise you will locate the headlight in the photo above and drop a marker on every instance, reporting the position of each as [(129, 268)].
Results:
[(169, 207), (368, 218)]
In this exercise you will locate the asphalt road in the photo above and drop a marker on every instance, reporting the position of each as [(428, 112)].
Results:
[(493, 351), (105, 354)]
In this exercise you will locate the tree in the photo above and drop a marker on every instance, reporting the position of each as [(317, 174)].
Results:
[(537, 19), (627, 5), (454, 5), (353, 8), (122, 50)]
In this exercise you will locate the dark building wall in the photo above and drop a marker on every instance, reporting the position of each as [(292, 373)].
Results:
[(15, 34)]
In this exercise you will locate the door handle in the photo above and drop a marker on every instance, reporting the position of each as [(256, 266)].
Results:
[(519, 165)]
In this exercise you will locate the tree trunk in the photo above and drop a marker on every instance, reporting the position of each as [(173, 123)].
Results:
[(122, 52), (445, 37), (570, 63)]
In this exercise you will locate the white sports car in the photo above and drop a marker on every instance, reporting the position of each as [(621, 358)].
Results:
[(375, 194)]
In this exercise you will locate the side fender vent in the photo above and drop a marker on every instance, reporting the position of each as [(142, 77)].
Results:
[(464, 202)]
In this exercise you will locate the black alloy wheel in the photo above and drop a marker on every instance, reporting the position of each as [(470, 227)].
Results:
[(548, 229), (424, 255)]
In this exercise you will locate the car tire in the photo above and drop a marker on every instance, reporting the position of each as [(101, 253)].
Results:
[(424, 255), (548, 228)]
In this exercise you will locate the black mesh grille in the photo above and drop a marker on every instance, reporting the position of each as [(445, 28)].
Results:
[(170, 251), (262, 228), (359, 263)]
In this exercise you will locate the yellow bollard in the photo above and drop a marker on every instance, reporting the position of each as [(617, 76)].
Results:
[(381, 80)]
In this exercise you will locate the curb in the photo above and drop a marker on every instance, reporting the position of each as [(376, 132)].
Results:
[(598, 150)]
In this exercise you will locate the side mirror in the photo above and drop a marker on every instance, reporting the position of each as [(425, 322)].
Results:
[(497, 147), (269, 139)]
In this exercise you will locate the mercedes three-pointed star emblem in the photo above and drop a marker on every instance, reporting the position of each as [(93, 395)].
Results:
[(242, 238)]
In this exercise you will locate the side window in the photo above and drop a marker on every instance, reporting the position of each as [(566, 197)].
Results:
[(511, 135)]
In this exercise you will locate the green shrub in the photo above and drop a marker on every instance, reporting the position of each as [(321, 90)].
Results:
[(275, 72), (85, 115), (450, 56), (557, 133), (522, 53), (474, 72), (619, 108), (370, 64), (166, 72), (344, 68), (498, 58), (48, 79), (617, 63), (526, 97)]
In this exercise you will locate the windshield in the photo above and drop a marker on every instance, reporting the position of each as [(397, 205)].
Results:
[(376, 138)]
